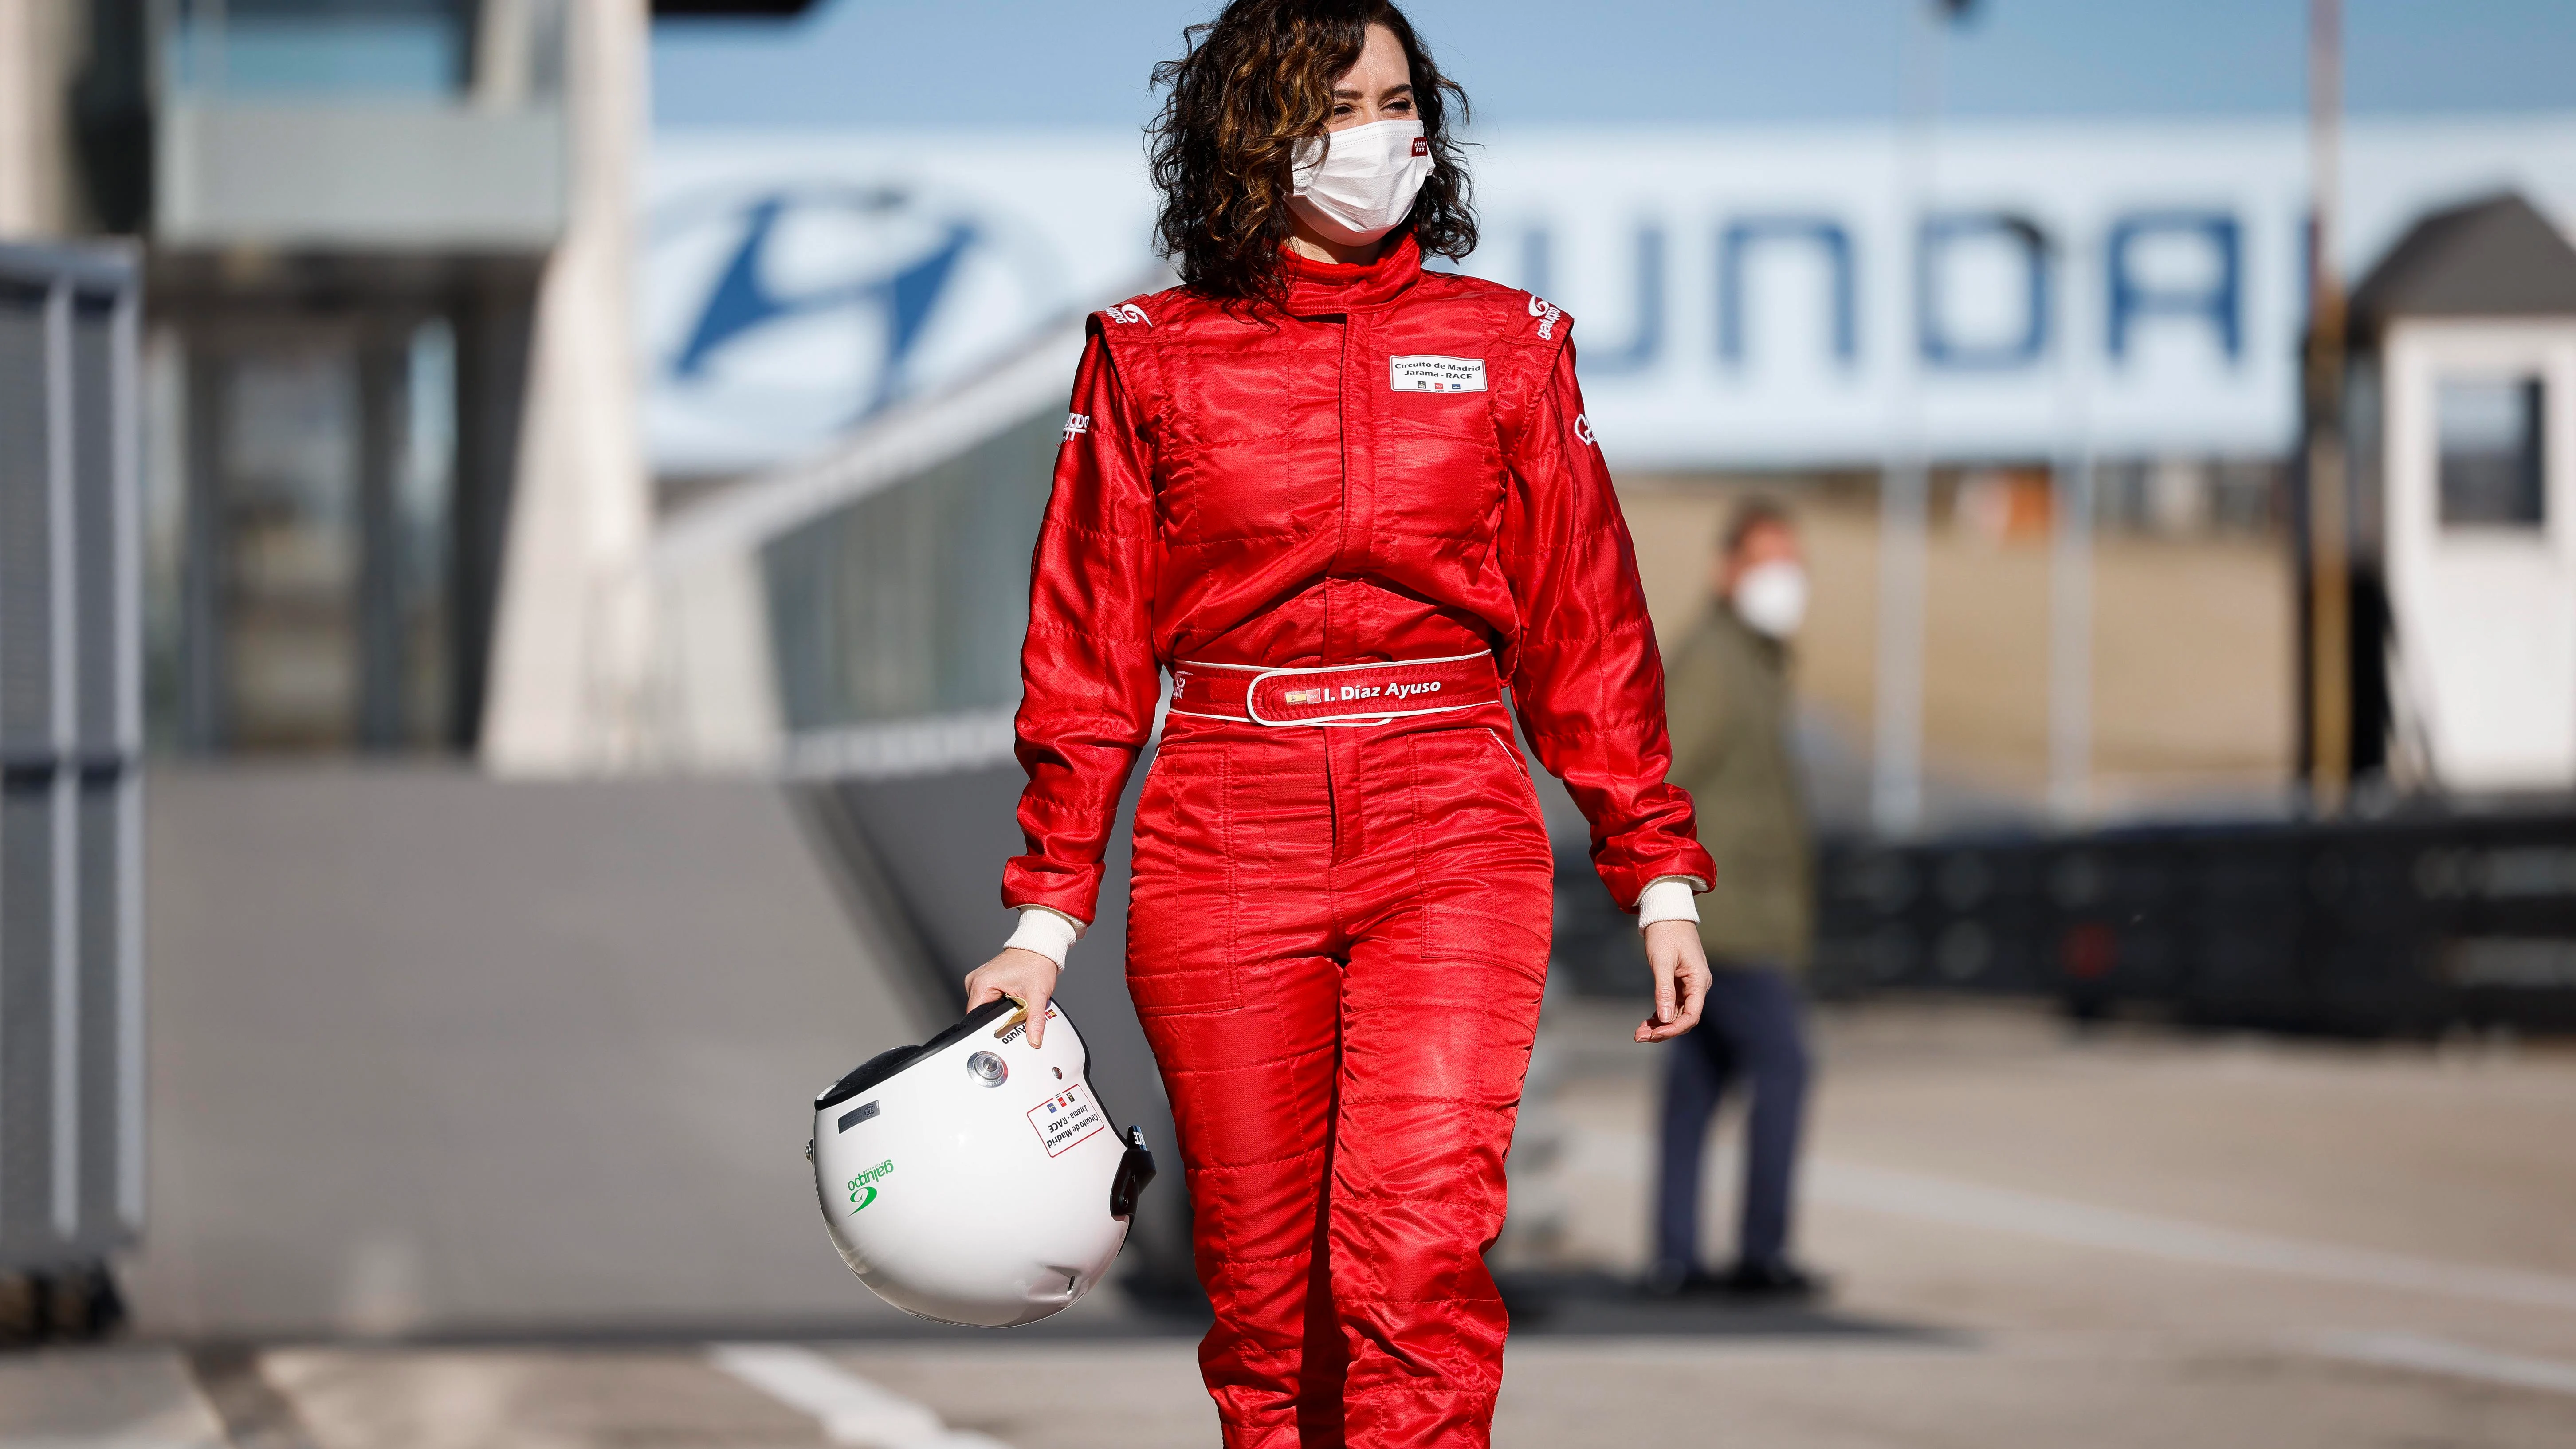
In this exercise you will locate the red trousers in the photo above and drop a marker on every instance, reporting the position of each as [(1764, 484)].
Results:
[(1337, 941)]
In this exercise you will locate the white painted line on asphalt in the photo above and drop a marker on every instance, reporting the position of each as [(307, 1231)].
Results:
[(2459, 1360), (1973, 1205), (42, 1441), (851, 1410)]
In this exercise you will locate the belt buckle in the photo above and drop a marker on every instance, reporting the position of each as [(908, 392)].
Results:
[(1319, 694)]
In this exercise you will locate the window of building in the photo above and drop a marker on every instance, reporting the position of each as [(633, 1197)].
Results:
[(2488, 431), (303, 540), (277, 48)]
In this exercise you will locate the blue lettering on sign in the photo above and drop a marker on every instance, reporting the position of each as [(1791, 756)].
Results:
[(2220, 303), (1940, 348), (1739, 239), (1538, 258), (1645, 344), (2138, 297)]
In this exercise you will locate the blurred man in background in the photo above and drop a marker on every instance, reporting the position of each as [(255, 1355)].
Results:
[(1727, 692)]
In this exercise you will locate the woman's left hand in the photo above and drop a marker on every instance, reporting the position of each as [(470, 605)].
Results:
[(1681, 979)]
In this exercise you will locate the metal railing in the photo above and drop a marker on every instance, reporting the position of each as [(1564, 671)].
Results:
[(71, 816)]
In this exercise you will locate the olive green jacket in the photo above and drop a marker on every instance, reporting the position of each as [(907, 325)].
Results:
[(1726, 695)]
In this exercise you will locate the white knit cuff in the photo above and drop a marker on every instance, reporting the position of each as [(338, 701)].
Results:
[(1049, 933), (1667, 899)]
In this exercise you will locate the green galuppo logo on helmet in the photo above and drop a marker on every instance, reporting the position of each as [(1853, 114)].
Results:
[(861, 1193)]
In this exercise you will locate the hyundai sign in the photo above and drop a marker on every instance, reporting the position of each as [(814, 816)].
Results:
[(1746, 297)]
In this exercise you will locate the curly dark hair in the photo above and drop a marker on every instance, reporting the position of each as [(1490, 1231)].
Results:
[(1256, 81)]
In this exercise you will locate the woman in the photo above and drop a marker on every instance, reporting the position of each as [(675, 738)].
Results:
[(1344, 501)]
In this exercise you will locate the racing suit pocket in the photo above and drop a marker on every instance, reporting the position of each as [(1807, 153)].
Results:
[(1510, 756), (1183, 906), (1484, 855)]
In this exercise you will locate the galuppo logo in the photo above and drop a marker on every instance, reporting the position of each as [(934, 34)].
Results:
[(862, 1191)]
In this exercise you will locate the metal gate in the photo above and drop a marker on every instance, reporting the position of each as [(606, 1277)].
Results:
[(71, 852)]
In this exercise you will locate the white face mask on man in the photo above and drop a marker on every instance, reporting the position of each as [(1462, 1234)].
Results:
[(1361, 186), (1771, 598)]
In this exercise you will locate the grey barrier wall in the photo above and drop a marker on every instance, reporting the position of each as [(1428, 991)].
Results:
[(71, 893), (2441, 916), (2409, 925)]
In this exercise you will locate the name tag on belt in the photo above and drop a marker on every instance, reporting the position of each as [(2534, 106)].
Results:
[(1436, 374)]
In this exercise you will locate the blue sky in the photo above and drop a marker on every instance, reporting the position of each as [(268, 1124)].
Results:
[(976, 63)]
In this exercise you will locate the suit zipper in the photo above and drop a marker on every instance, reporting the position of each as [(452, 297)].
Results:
[(1342, 454), (1346, 832)]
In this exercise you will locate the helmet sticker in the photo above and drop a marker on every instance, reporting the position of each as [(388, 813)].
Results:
[(1066, 1120), (863, 1187)]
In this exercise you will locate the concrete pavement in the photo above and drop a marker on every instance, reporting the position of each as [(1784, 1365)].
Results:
[(2128, 1239)]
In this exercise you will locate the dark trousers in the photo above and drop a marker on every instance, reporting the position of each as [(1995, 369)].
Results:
[(1751, 1026)]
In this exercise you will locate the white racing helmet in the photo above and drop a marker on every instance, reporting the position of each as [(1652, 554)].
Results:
[(976, 1178)]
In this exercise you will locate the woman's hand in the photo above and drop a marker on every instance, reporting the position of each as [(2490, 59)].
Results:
[(1029, 978), (1681, 979)]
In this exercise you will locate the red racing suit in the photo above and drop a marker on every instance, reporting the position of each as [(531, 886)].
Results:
[(1338, 934)]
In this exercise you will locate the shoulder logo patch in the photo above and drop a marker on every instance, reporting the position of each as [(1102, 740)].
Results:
[(1129, 312), (1583, 431), (1075, 425), (1546, 312), (1436, 374)]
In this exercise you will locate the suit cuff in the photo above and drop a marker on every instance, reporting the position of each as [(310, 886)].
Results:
[(1049, 933), (1667, 898)]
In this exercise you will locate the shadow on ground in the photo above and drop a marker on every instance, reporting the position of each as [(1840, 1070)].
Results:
[(1591, 1303)]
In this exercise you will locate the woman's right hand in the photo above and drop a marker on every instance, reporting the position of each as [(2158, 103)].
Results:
[(1025, 977), (1681, 979)]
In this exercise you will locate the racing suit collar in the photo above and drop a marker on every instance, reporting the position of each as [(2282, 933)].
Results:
[(1316, 288)]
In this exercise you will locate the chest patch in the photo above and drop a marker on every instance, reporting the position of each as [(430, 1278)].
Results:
[(1436, 374)]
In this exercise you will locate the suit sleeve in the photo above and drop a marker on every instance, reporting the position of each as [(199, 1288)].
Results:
[(1585, 675), (1089, 681)]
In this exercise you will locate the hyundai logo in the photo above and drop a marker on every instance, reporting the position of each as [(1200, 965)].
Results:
[(778, 318)]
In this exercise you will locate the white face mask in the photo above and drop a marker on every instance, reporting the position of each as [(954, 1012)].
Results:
[(1771, 598), (1362, 185)]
